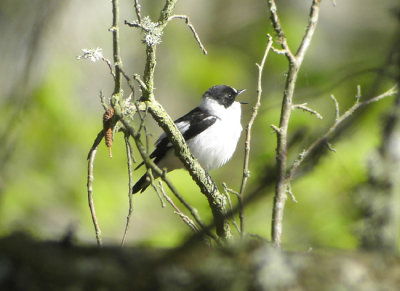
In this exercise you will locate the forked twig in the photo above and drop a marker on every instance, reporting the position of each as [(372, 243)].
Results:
[(338, 121), (177, 211), (295, 62), (228, 197)]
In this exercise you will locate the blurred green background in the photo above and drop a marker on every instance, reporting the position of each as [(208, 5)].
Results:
[(51, 113)]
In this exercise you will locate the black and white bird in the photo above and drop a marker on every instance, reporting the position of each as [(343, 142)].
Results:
[(211, 131)]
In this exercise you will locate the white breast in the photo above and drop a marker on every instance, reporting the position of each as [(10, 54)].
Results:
[(215, 146)]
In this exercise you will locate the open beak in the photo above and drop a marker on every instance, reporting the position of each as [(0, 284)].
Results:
[(240, 92)]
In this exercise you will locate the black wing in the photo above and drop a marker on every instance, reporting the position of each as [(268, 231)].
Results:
[(198, 120), (190, 125)]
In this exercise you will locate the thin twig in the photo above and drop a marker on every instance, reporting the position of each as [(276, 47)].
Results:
[(151, 165), (137, 10), (129, 157), (289, 191), (116, 47), (276, 129), (96, 142), (177, 211), (312, 25), (247, 147), (279, 31), (337, 110), (110, 67), (142, 85), (307, 109), (103, 102), (154, 186), (129, 82), (90, 178), (191, 27), (338, 121), (329, 146), (228, 197)]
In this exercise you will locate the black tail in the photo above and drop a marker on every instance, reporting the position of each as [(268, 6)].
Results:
[(141, 185)]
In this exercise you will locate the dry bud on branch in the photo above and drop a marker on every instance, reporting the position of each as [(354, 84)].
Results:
[(108, 128)]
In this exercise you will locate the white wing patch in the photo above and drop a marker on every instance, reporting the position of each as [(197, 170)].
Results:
[(183, 126)]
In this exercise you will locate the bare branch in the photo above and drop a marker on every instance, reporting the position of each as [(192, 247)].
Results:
[(128, 81), (154, 168), (247, 147), (110, 67), (278, 51), (206, 184), (338, 121), (276, 129), (184, 217), (191, 27), (278, 29), (228, 197), (129, 157), (138, 11), (90, 178), (142, 85), (337, 110), (307, 109), (312, 25), (153, 184), (330, 147), (286, 109), (116, 47), (103, 101), (289, 191)]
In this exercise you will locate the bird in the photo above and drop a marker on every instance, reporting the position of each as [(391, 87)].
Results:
[(211, 131)]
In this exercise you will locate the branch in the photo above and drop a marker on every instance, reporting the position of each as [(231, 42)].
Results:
[(307, 109), (129, 157), (246, 172), (338, 121), (184, 217), (153, 167), (232, 216), (91, 158), (191, 27), (199, 175), (287, 103), (278, 29), (206, 184), (116, 48), (137, 10), (312, 25)]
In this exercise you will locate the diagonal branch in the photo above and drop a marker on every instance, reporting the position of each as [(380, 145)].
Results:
[(338, 121), (191, 27), (200, 176), (150, 164)]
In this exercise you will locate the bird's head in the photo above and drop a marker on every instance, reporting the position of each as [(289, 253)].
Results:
[(223, 94)]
